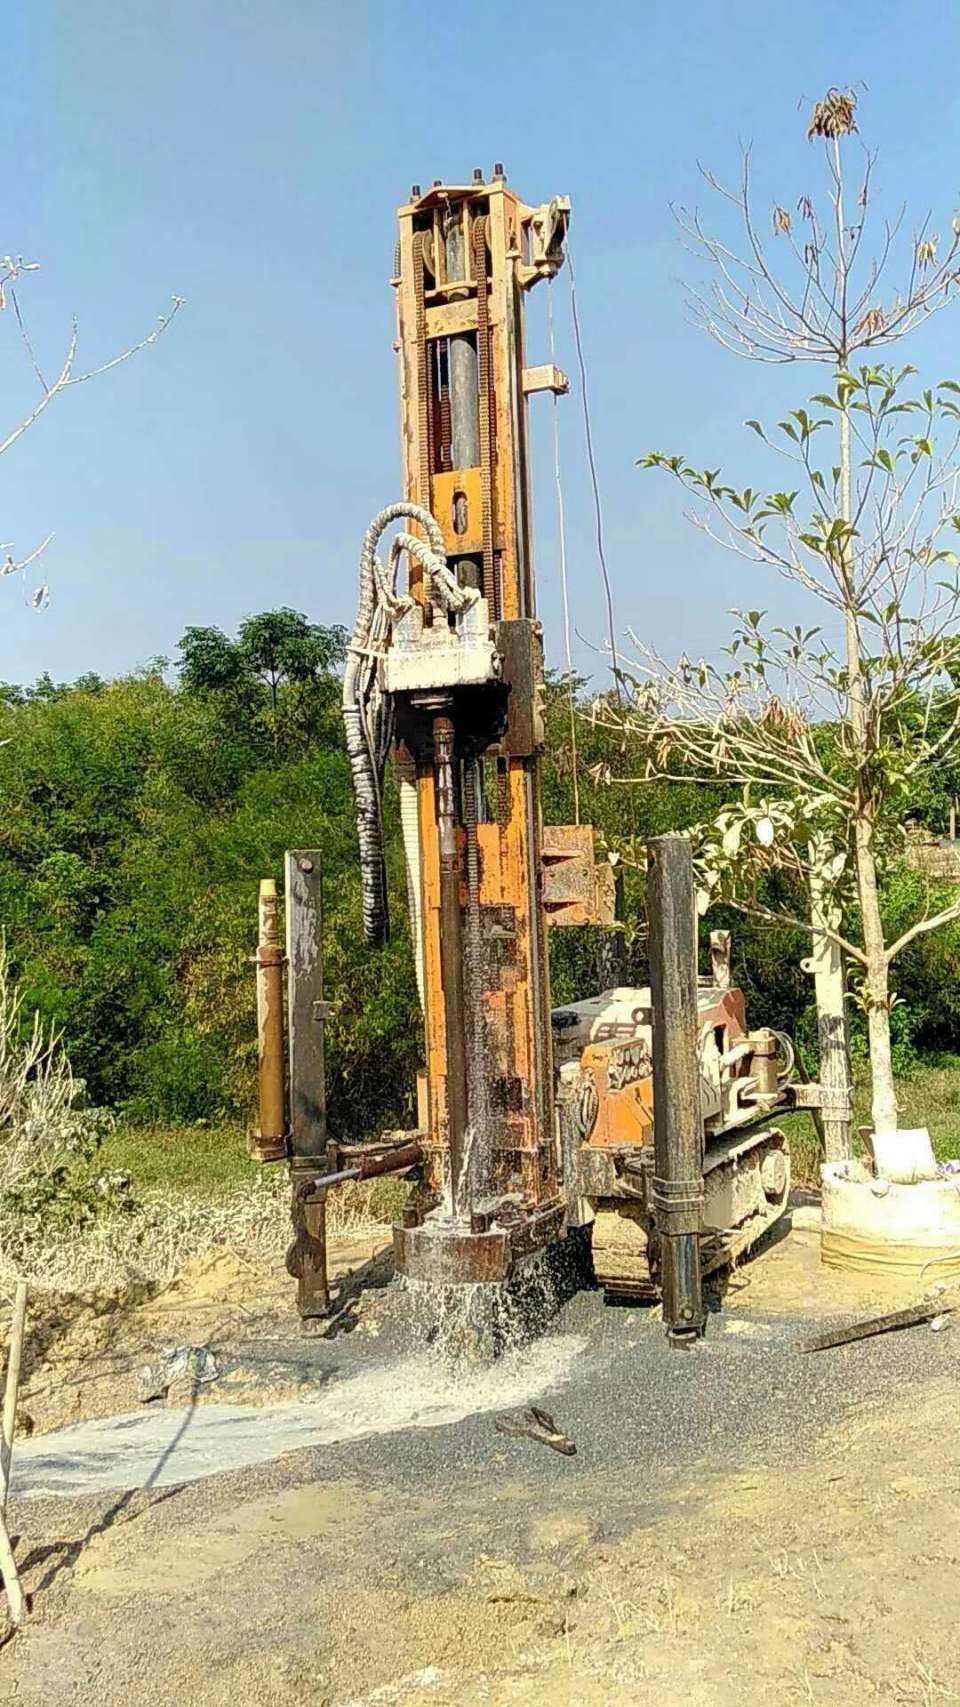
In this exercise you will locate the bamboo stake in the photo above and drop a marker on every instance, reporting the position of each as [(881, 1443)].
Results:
[(11, 1389), (8, 1563), (11, 1578)]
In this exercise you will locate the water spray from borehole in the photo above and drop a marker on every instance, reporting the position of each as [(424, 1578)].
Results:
[(477, 1322)]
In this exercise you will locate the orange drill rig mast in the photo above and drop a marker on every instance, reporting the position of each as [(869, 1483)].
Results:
[(445, 673), (464, 673)]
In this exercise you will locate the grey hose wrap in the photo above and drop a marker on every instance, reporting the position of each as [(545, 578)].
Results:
[(441, 585), (365, 718)]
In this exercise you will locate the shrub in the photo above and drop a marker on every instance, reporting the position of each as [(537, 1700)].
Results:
[(49, 1140)]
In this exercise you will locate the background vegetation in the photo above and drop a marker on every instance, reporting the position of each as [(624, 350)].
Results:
[(140, 813)]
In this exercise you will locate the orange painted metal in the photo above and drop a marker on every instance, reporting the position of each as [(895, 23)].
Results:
[(513, 990), (446, 488), (470, 722), (624, 1086)]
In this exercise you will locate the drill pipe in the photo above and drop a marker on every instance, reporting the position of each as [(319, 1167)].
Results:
[(677, 1116), (451, 951)]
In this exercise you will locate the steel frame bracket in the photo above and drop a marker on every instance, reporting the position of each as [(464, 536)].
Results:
[(576, 889), (452, 1255)]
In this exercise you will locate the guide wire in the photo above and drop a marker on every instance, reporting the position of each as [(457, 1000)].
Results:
[(591, 459), (564, 593)]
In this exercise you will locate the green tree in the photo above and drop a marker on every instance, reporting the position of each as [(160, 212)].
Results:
[(825, 728), (281, 669), (139, 816)]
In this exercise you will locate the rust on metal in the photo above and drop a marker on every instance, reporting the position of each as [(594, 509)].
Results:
[(536, 1424), (488, 1114), (576, 889), (912, 1317), (307, 1256), (448, 1254), (677, 1113), (491, 581), (306, 1009), (520, 645), (370, 1166), (451, 949), (452, 1256), (269, 1143)]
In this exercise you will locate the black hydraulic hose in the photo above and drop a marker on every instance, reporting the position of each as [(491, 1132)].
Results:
[(362, 713)]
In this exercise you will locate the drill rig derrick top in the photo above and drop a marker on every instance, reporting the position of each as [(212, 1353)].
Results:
[(447, 672)]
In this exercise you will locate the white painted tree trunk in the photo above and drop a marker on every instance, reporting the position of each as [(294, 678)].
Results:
[(876, 982), (826, 965)]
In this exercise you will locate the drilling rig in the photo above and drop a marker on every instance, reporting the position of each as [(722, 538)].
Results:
[(530, 1122)]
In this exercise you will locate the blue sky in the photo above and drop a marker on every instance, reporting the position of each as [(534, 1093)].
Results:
[(250, 156)]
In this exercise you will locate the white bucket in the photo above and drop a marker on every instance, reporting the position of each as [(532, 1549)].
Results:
[(905, 1156), (876, 1226)]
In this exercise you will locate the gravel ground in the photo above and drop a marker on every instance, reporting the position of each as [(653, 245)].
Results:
[(350, 1568)]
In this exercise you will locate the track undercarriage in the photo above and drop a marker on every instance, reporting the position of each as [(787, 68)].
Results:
[(606, 1110), (746, 1186)]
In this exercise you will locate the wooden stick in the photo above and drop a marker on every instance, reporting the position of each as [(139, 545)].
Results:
[(11, 1578), (909, 1318), (8, 1563), (11, 1389)]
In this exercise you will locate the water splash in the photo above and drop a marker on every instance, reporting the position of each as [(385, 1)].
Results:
[(476, 1323), (464, 1193)]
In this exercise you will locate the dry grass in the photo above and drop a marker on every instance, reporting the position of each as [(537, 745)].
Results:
[(191, 1190), (166, 1229), (40, 1100)]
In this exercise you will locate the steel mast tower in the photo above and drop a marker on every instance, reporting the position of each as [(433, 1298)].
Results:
[(472, 732)]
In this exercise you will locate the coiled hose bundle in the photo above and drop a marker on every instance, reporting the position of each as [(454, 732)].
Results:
[(366, 708)]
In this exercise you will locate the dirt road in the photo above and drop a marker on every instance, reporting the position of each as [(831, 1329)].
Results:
[(741, 1524)]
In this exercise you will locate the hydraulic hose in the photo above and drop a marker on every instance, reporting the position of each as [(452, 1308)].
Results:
[(364, 711)]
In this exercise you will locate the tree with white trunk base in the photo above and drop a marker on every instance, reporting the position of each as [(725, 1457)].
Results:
[(820, 730)]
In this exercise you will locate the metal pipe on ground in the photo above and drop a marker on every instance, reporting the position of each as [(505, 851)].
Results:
[(677, 1117)]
